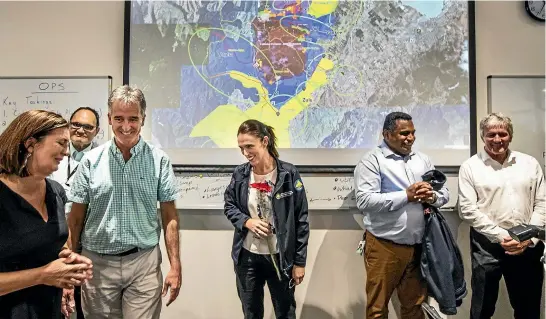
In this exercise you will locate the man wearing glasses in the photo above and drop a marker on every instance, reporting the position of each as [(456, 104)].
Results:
[(84, 126)]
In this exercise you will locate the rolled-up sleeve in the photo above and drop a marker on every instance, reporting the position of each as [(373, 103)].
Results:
[(368, 189)]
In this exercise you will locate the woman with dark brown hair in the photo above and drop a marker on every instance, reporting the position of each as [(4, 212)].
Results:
[(266, 204), (35, 264)]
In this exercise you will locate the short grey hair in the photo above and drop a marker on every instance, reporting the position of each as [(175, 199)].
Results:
[(496, 120), (127, 95)]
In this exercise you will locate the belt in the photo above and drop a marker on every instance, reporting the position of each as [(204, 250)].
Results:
[(388, 240), (126, 253)]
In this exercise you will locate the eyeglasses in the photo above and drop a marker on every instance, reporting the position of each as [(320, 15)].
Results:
[(78, 125)]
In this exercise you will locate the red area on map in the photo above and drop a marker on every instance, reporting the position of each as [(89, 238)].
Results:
[(280, 53)]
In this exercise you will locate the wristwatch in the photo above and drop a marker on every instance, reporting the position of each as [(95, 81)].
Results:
[(434, 197)]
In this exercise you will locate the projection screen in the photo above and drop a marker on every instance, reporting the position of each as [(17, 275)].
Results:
[(324, 74)]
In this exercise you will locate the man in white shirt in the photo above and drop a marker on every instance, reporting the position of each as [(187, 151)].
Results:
[(498, 189), (84, 126)]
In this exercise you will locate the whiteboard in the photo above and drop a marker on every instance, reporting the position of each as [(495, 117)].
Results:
[(62, 95), (522, 99), (324, 192)]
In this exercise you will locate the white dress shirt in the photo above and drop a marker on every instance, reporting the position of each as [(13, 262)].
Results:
[(494, 197), (381, 179), (67, 168)]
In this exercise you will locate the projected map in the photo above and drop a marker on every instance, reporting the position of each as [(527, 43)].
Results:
[(323, 73)]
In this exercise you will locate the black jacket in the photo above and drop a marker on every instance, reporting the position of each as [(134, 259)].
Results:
[(289, 213), (441, 263)]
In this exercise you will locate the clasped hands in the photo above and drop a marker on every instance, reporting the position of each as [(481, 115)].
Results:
[(69, 270), (421, 192)]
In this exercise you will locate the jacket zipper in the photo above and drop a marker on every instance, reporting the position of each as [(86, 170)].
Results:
[(278, 185)]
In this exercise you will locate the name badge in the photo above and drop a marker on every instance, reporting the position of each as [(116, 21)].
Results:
[(285, 194)]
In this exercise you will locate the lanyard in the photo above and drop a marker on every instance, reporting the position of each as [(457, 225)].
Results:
[(68, 172)]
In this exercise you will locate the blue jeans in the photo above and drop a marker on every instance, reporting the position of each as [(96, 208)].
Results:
[(252, 272)]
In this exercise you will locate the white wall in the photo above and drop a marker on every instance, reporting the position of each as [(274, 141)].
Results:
[(61, 38), (508, 42), (86, 38)]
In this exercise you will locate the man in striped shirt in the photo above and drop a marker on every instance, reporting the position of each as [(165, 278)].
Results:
[(115, 191)]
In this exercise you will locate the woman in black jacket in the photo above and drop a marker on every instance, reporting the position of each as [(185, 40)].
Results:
[(266, 203)]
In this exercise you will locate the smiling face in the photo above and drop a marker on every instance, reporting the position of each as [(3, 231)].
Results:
[(83, 129), (126, 121), (48, 152), (253, 148), (496, 139), (401, 139)]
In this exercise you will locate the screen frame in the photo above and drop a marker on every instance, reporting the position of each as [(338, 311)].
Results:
[(206, 163)]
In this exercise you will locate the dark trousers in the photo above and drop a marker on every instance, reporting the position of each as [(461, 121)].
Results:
[(523, 275), (252, 272), (78, 292), (78, 299)]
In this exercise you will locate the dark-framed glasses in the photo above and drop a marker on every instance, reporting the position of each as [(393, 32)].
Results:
[(78, 125)]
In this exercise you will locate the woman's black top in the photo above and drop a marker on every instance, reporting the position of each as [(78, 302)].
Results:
[(26, 242)]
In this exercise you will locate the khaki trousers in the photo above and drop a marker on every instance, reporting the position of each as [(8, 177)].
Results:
[(391, 266), (124, 287)]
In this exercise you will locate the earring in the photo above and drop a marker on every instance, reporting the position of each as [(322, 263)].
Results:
[(24, 163)]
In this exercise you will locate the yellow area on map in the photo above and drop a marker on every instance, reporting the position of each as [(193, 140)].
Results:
[(221, 125), (319, 8)]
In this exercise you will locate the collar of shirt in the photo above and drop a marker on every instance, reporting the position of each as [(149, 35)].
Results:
[(486, 158), (386, 150), (134, 150), (77, 155)]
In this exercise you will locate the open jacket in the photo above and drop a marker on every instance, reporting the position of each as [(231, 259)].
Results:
[(289, 204), (441, 263)]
